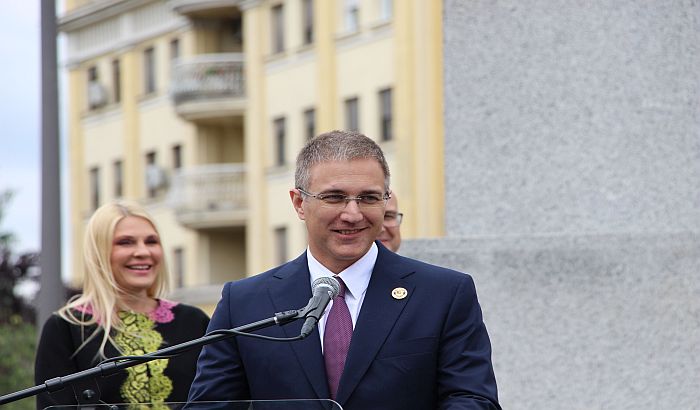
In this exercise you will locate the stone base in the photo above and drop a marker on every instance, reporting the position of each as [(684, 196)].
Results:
[(586, 322)]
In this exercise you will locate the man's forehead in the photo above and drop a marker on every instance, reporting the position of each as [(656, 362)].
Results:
[(331, 162), (354, 168)]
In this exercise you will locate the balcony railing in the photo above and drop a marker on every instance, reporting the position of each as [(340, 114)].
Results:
[(195, 7), (210, 196), (209, 85)]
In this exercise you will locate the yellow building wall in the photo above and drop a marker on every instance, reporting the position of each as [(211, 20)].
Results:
[(127, 131), (419, 117), (403, 53), (254, 128), (78, 178), (364, 68), (102, 146)]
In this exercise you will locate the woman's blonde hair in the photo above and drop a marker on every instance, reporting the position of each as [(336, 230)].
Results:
[(99, 302)]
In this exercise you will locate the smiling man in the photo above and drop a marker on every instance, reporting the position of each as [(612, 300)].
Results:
[(401, 334)]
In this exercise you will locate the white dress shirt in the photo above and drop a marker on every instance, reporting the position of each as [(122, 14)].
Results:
[(356, 278)]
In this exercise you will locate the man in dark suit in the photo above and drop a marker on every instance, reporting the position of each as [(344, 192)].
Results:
[(402, 334)]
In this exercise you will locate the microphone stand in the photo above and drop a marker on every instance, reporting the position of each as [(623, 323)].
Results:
[(107, 369)]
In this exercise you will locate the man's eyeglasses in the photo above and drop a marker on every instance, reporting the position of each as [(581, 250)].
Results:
[(392, 219), (340, 201)]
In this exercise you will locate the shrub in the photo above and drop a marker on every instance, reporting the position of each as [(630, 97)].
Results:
[(17, 347)]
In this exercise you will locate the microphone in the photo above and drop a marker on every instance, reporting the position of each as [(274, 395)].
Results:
[(324, 289)]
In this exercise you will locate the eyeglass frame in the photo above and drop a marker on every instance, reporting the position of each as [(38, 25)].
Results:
[(346, 199)]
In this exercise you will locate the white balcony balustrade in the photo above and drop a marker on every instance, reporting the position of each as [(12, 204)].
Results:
[(209, 86), (204, 7), (210, 196)]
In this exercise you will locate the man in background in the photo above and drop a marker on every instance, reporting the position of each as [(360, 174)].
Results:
[(390, 236)]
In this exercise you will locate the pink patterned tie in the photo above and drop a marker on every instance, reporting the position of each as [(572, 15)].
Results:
[(336, 339)]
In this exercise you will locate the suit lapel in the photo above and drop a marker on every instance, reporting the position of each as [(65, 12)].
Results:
[(378, 314), (290, 289)]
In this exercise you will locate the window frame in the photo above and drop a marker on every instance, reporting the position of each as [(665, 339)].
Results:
[(309, 123), (277, 28), (307, 22), (177, 156), (95, 197), (149, 70), (174, 46), (151, 158), (116, 80), (118, 174), (352, 113), (279, 126), (179, 266), (386, 117), (351, 16), (281, 238)]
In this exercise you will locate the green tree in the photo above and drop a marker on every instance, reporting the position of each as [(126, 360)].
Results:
[(17, 330), (6, 238), (12, 270), (17, 346)]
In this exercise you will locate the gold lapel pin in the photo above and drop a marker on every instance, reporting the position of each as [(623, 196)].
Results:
[(399, 293)]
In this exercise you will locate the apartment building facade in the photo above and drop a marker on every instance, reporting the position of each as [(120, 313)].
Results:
[(198, 108)]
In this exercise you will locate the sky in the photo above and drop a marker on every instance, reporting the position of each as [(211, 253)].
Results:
[(20, 121)]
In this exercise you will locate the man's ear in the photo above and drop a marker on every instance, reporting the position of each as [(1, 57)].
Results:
[(297, 202)]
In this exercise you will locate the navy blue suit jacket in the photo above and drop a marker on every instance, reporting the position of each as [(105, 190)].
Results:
[(429, 350)]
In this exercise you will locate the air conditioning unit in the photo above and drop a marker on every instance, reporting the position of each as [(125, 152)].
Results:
[(156, 177), (97, 95)]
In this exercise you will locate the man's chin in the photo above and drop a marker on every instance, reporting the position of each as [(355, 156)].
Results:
[(352, 252)]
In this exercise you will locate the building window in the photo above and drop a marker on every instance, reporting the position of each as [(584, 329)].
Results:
[(308, 21), (385, 118), (97, 96), (94, 188), (179, 267), (149, 71), (116, 80), (177, 156), (174, 55), (277, 29), (151, 178), (92, 74), (281, 245), (92, 83), (236, 30), (310, 124), (351, 15), (386, 9), (279, 129), (118, 179), (352, 120), (174, 49)]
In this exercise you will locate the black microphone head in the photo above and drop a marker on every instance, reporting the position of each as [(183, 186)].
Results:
[(327, 283)]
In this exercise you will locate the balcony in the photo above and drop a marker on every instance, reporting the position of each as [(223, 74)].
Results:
[(204, 8), (209, 86), (210, 196)]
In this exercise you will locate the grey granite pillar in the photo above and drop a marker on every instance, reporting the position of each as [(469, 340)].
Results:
[(572, 143)]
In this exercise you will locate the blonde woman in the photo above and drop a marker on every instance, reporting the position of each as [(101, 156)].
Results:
[(121, 312)]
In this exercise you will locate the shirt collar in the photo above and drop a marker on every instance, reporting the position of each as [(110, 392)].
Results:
[(355, 276)]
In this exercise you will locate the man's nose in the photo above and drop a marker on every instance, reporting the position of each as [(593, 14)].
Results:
[(352, 211)]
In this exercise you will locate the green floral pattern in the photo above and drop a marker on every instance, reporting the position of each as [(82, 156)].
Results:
[(145, 383)]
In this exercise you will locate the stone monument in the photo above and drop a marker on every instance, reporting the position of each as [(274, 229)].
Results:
[(572, 162)]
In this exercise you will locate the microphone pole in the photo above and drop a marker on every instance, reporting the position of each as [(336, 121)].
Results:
[(107, 369)]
